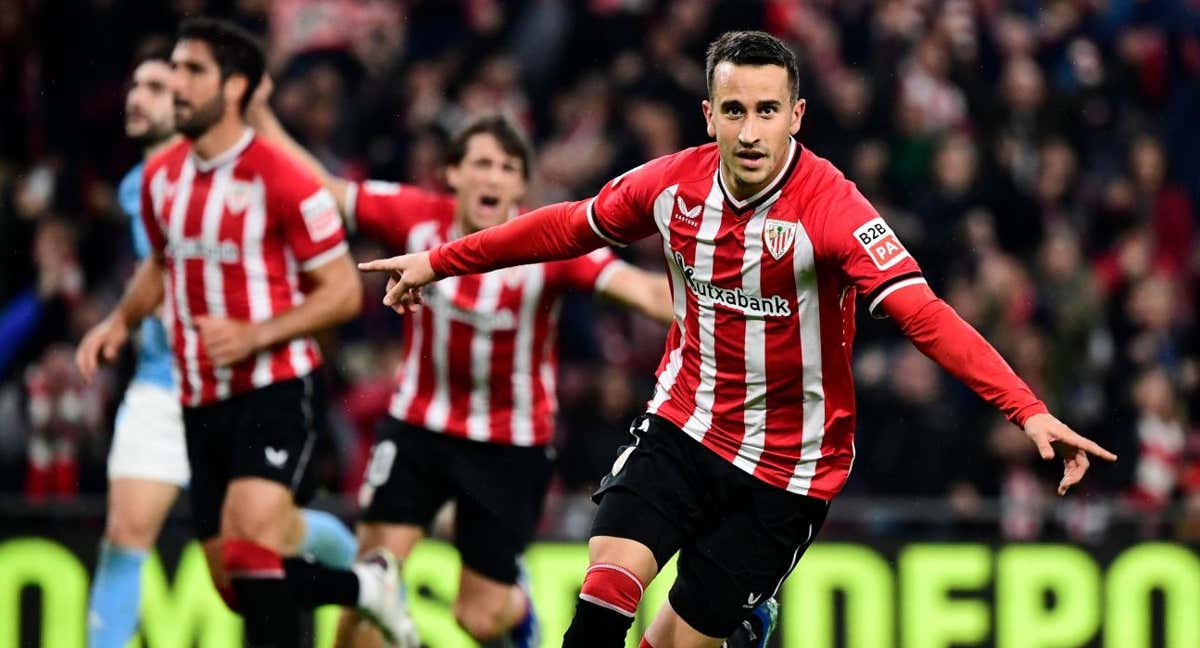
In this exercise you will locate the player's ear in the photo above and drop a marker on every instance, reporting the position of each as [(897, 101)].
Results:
[(797, 115), (706, 105), (234, 88), (452, 176)]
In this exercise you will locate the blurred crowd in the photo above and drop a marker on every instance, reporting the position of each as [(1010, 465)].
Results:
[(1040, 159)]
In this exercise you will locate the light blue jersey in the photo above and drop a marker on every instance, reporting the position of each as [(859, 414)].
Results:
[(154, 351)]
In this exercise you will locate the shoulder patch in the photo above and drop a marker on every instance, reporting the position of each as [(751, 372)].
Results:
[(320, 215), (880, 243)]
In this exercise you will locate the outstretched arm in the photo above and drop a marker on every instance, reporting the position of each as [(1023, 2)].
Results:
[(648, 293), (265, 123), (550, 233), (941, 334)]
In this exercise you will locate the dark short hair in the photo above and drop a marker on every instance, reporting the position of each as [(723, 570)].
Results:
[(498, 126), (155, 50), (236, 50), (752, 48)]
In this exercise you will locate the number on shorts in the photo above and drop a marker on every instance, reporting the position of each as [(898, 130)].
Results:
[(383, 455)]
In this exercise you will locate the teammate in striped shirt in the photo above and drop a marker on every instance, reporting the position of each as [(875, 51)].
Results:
[(147, 463), (750, 432), (473, 412), (248, 256)]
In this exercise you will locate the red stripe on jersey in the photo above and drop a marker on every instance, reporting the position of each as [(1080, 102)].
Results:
[(504, 345), (460, 345), (729, 346)]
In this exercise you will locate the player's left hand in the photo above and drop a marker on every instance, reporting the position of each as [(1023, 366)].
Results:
[(226, 341), (1051, 435)]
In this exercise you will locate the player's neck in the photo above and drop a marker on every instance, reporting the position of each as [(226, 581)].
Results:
[(224, 135), (158, 147)]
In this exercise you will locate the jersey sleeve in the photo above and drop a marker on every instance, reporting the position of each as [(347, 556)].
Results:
[(156, 239), (623, 211), (869, 254), (589, 272), (308, 216), (387, 211)]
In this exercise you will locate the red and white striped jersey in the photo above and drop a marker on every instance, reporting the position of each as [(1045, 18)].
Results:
[(757, 367), (236, 233), (480, 357)]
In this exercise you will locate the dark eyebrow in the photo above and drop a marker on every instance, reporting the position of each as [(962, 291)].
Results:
[(730, 104), (770, 103)]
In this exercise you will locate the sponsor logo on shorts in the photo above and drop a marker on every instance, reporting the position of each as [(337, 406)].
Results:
[(276, 457)]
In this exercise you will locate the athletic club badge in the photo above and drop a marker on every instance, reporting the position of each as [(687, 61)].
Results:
[(778, 236)]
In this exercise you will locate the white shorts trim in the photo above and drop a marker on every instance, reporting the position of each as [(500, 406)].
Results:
[(148, 442)]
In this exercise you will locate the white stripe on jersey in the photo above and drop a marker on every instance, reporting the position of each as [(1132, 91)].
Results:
[(253, 231), (214, 280), (479, 419), (418, 239), (547, 370), (438, 411), (663, 206), (522, 378), (183, 194), (755, 414), (706, 315), (808, 314)]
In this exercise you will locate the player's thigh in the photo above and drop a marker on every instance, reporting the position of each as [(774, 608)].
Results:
[(259, 510), (669, 630), (741, 562), (136, 510), (406, 482), (499, 492), (274, 431)]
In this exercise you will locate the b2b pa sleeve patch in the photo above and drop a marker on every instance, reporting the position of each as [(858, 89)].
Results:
[(880, 243)]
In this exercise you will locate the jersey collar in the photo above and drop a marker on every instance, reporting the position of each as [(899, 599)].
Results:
[(231, 154), (741, 206)]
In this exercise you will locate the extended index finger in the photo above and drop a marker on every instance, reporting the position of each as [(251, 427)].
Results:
[(1089, 446), (380, 265)]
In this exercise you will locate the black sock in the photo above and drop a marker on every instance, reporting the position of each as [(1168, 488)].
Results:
[(596, 627), (313, 584), (270, 614)]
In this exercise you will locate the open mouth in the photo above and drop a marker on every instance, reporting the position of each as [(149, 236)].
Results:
[(489, 201)]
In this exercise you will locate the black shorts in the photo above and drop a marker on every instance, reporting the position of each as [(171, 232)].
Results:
[(498, 490), (269, 432), (737, 537)]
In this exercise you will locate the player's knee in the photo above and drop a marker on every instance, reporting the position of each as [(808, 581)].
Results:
[(483, 619), (613, 587), (131, 531)]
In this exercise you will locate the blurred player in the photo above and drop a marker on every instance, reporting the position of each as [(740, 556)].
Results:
[(473, 414), (148, 461), (750, 432), (234, 228)]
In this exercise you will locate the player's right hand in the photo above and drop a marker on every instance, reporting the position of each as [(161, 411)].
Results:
[(407, 274), (103, 342)]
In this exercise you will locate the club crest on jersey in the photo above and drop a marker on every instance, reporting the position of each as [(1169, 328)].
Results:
[(237, 197), (778, 236), (880, 243)]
